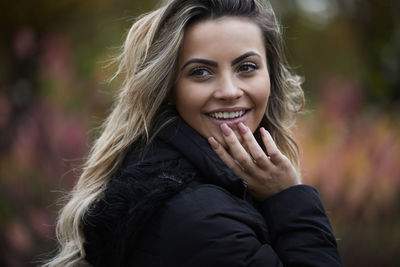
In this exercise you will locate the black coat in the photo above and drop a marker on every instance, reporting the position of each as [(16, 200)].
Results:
[(176, 204)]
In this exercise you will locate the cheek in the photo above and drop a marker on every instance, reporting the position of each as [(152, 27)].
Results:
[(265, 93), (260, 87), (189, 101), (191, 98), (185, 106), (182, 98), (260, 98), (261, 94), (265, 98)]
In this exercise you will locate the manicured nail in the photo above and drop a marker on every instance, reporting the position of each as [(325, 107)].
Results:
[(263, 132), (242, 128), (225, 129), (214, 144)]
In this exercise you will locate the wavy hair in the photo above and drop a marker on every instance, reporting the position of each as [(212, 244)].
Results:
[(148, 64)]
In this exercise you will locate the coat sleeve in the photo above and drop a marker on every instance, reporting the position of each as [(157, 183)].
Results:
[(207, 226), (300, 231)]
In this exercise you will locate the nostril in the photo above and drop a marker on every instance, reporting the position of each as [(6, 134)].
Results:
[(229, 92)]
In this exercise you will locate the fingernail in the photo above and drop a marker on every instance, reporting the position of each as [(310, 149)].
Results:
[(214, 144), (242, 128), (263, 132), (225, 129)]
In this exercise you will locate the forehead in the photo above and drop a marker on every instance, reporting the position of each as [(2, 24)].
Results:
[(224, 36)]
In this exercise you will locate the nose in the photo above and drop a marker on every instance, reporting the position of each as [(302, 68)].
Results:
[(228, 88)]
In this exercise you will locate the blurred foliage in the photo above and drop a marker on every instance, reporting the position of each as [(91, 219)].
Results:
[(53, 92), (353, 38)]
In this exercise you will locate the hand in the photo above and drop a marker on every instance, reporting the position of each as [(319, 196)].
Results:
[(265, 174)]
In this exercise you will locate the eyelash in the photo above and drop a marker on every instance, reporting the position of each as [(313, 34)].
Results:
[(195, 72), (248, 64)]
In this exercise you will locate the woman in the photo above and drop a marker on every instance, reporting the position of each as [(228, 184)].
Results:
[(196, 165)]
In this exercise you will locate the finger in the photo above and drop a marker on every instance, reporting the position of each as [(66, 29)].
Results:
[(236, 149), (254, 148), (224, 156), (273, 152)]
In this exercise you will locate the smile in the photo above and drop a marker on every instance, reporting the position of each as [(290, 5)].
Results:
[(227, 115)]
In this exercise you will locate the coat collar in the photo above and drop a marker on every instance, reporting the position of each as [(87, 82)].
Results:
[(196, 149)]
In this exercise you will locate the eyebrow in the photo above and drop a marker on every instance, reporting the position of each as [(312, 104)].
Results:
[(202, 61), (215, 64)]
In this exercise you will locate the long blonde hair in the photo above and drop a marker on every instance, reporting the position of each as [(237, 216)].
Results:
[(147, 63)]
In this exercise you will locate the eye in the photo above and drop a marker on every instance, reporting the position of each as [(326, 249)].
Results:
[(247, 67), (200, 73)]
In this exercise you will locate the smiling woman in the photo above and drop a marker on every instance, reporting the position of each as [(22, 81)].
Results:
[(223, 76), (196, 165)]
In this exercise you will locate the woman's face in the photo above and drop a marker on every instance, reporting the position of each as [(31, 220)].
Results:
[(222, 76)]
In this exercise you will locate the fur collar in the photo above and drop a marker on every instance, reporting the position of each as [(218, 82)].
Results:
[(177, 157)]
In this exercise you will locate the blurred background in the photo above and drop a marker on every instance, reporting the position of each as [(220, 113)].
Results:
[(54, 93)]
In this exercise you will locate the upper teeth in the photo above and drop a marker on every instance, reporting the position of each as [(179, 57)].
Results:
[(227, 115)]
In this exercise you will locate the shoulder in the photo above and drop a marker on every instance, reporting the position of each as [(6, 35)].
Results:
[(206, 207), (205, 223), (113, 224), (196, 205), (201, 200)]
